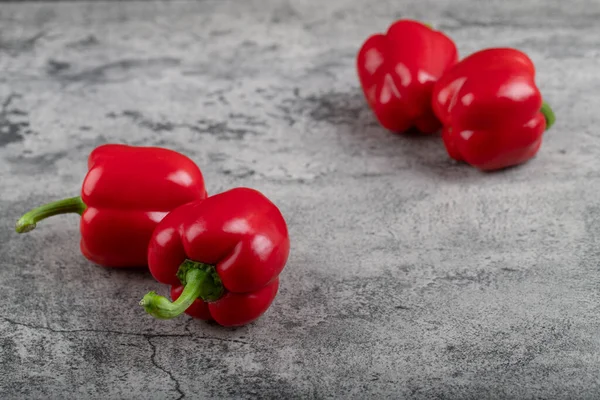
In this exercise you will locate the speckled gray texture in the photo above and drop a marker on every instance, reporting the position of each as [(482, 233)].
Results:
[(410, 276)]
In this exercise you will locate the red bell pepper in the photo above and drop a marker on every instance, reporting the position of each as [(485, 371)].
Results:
[(222, 256), (126, 192), (397, 71), (492, 111)]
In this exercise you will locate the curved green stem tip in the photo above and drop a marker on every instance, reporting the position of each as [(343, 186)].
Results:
[(30, 219), (200, 281), (548, 115)]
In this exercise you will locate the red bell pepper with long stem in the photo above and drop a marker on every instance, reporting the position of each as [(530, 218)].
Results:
[(493, 113), (126, 192), (397, 71), (222, 257)]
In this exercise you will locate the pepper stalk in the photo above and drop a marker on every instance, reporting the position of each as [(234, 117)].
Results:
[(548, 115), (200, 280), (30, 219)]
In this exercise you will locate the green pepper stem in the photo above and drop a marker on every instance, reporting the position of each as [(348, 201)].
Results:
[(29, 220), (200, 281), (548, 115)]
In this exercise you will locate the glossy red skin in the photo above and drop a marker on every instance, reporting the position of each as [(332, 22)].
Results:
[(234, 309), (397, 71), (490, 107), (243, 234), (127, 191)]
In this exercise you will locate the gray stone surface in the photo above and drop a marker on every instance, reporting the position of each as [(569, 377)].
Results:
[(410, 276)]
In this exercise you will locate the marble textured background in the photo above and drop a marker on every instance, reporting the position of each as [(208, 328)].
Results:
[(410, 276)]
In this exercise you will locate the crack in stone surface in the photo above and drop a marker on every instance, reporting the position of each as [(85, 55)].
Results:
[(144, 335), (169, 374)]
